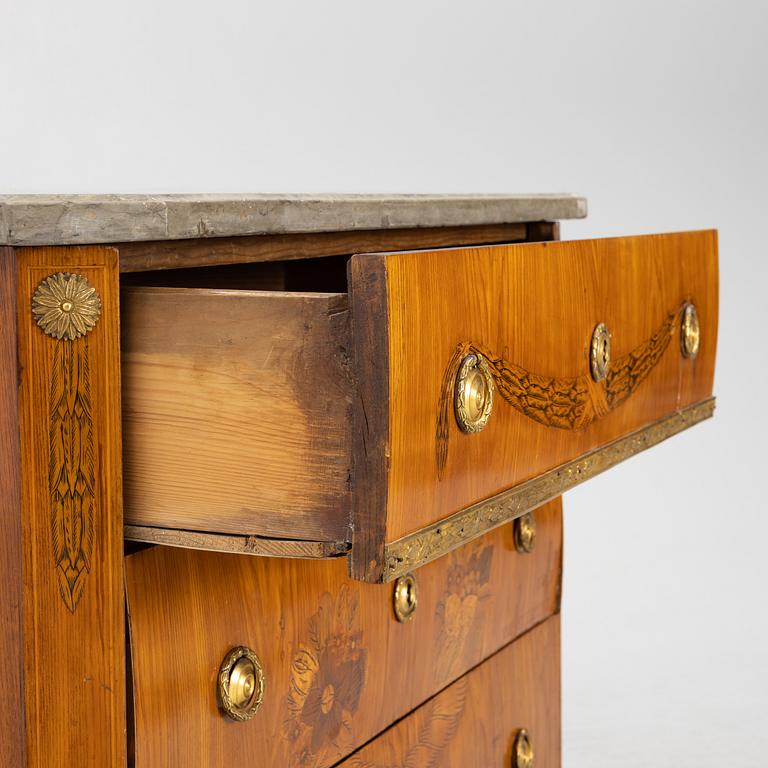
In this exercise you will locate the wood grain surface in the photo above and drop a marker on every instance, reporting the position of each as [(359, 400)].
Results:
[(533, 308), (245, 545), (206, 252), (71, 522), (236, 412), (339, 667), (12, 727), (474, 722), (370, 434)]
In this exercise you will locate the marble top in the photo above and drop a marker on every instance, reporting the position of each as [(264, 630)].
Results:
[(80, 219)]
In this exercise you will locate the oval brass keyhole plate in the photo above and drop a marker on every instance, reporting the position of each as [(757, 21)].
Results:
[(600, 352), (406, 597), (525, 533), (690, 332), (241, 684), (474, 394), (522, 750)]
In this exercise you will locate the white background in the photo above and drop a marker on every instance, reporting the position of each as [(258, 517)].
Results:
[(657, 111)]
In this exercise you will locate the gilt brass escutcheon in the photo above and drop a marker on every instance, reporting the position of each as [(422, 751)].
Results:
[(474, 394), (690, 331), (522, 750), (406, 597), (241, 684), (525, 533), (600, 352)]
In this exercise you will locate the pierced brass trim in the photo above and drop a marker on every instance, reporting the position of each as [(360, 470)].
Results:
[(66, 306), (600, 352), (522, 750), (525, 533), (240, 684), (690, 331), (406, 597), (413, 551), (474, 394)]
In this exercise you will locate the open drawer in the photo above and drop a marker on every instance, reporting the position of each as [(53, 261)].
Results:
[(440, 394)]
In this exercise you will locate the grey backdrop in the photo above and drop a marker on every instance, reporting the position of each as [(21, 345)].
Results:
[(655, 110)]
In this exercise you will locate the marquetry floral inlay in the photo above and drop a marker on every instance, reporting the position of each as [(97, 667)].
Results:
[(457, 611), (66, 306), (327, 677)]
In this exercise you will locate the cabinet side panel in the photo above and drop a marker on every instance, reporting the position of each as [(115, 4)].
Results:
[(71, 509), (12, 709)]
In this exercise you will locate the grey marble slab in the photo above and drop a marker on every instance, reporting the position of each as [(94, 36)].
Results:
[(81, 219)]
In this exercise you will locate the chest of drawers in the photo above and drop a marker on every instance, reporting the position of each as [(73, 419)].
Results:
[(313, 449)]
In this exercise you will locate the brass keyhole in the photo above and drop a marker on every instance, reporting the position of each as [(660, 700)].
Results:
[(406, 597), (240, 684), (600, 352), (474, 394), (522, 750)]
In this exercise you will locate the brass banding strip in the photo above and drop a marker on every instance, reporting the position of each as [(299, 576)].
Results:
[(419, 548)]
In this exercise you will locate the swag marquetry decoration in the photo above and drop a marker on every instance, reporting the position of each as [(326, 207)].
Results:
[(571, 403), (67, 307), (440, 720)]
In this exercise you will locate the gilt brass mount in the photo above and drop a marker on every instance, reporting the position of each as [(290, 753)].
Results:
[(474, 394), (690, 332), (241, 684), (522, 750), (406, 597), (427, 544), (600, 352), (66, 306), (525, 533)]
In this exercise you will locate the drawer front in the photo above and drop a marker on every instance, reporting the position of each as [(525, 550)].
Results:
[(339, 667), (479, 719), (529, 311)]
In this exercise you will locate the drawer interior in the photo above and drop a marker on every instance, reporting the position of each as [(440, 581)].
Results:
[(236, 398), (327, 275)]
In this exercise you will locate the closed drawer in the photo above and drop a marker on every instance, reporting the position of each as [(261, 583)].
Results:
[(338, 665), (331, 418), (496, 716)]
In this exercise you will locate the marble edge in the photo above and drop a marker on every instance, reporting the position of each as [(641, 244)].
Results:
[(29, 220)]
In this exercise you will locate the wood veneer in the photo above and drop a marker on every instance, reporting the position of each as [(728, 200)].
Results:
[(72, 692), (533, 307), (312, 628), (474, 722), (12, 730)]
